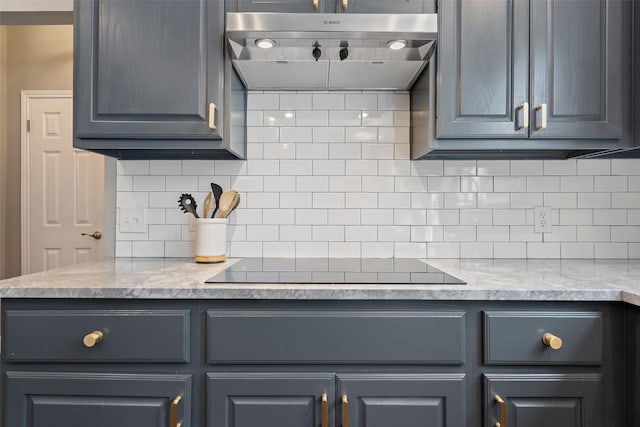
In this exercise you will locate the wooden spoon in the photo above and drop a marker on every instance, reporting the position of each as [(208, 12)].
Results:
[(206, 205), (226, 203)]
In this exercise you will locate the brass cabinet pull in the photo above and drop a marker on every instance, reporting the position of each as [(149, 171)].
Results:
[(543, 116), (315, 4), (174, 412), (92, 338), (552, 341), (345, 4), (345, 411), (503, 412), (525, 115), (325, 410), (212, 116)]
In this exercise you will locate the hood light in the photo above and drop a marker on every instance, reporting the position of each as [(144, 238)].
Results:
[(397, 44), (265, 43)]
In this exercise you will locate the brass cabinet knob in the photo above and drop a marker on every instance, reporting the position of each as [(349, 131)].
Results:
[(552, 341), (92, 338)]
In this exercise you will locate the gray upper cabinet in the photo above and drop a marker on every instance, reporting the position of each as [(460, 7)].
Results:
[(539, 69), (339, 6), (150, 71)]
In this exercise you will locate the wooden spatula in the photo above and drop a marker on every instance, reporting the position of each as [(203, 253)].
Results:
[(206, 206), (226, 203)]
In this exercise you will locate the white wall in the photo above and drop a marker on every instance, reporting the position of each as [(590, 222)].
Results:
[(38, 57), (328, 174), (3, 141)]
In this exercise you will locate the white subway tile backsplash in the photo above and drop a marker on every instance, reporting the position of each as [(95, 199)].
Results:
[(618, 200), (493, 167), (460, 167), (625, 167), (428, 233), (358, 101), (611, 250), (296, 135), (361, 233), (328, 174), (497, 233), (328, 200), (543, 184), (396, 233), (279, 249), (510, 250), (594, 167), (610, 183), (526, 167), (576, 183), (345, 151), (509, 184), (594, 200), (295, 101), (296, 200), (345, 118), (328, 101), (377, 151), (560, 167), (577, 250), (476, 250)]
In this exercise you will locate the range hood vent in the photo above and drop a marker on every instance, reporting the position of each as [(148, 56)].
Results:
[(314, 51)]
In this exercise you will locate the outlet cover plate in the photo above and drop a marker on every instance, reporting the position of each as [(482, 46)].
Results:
[(542, 219)]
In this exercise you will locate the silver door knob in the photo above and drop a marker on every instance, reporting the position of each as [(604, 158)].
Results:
[(96, 235)]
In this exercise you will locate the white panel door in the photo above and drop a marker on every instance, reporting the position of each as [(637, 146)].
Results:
[(64, 188)]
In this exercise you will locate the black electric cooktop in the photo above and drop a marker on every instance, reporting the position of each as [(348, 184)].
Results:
[(334, 270)]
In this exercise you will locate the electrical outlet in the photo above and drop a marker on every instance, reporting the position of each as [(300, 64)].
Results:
[(133, 214), (542, 219)]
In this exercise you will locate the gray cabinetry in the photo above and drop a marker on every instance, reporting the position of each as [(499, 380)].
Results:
[(266, 399), (535, 72), (413, 400), (44, 399), (555, 400), (339, 6), (151, 76)]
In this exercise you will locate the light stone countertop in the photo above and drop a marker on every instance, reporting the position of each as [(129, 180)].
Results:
[(487, 279)]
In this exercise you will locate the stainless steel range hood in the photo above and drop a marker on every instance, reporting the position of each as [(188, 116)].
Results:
[(315, 51)]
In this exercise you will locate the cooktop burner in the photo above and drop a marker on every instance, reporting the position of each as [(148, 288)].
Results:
[(334, 270)]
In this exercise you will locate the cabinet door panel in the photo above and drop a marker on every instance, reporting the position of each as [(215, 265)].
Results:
[(387, 6), (284, 6), (483, 68), (381, 400), (37, 399), (263, 400), (570, 400), (576, 68), (148, 69)]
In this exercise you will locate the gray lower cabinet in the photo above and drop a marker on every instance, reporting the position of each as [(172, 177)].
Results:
[(337, 6), (553, 400), (308, 400), (71, 399), (232, 363), (151, 79), (533, 71)]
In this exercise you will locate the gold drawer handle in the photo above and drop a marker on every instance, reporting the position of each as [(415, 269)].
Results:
[(345, 4), (503, 412), (552, 341), (212, 116), (543, 116), (325, 411), (174, 412), (345, 411), (315, 4), (92, 338), (525, 115)]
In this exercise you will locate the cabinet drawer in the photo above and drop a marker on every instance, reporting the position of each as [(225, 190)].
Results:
[(383, 337), (127, 336), (516, 338)]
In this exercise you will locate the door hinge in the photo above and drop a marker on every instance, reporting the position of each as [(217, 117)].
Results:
[(28, 125)]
